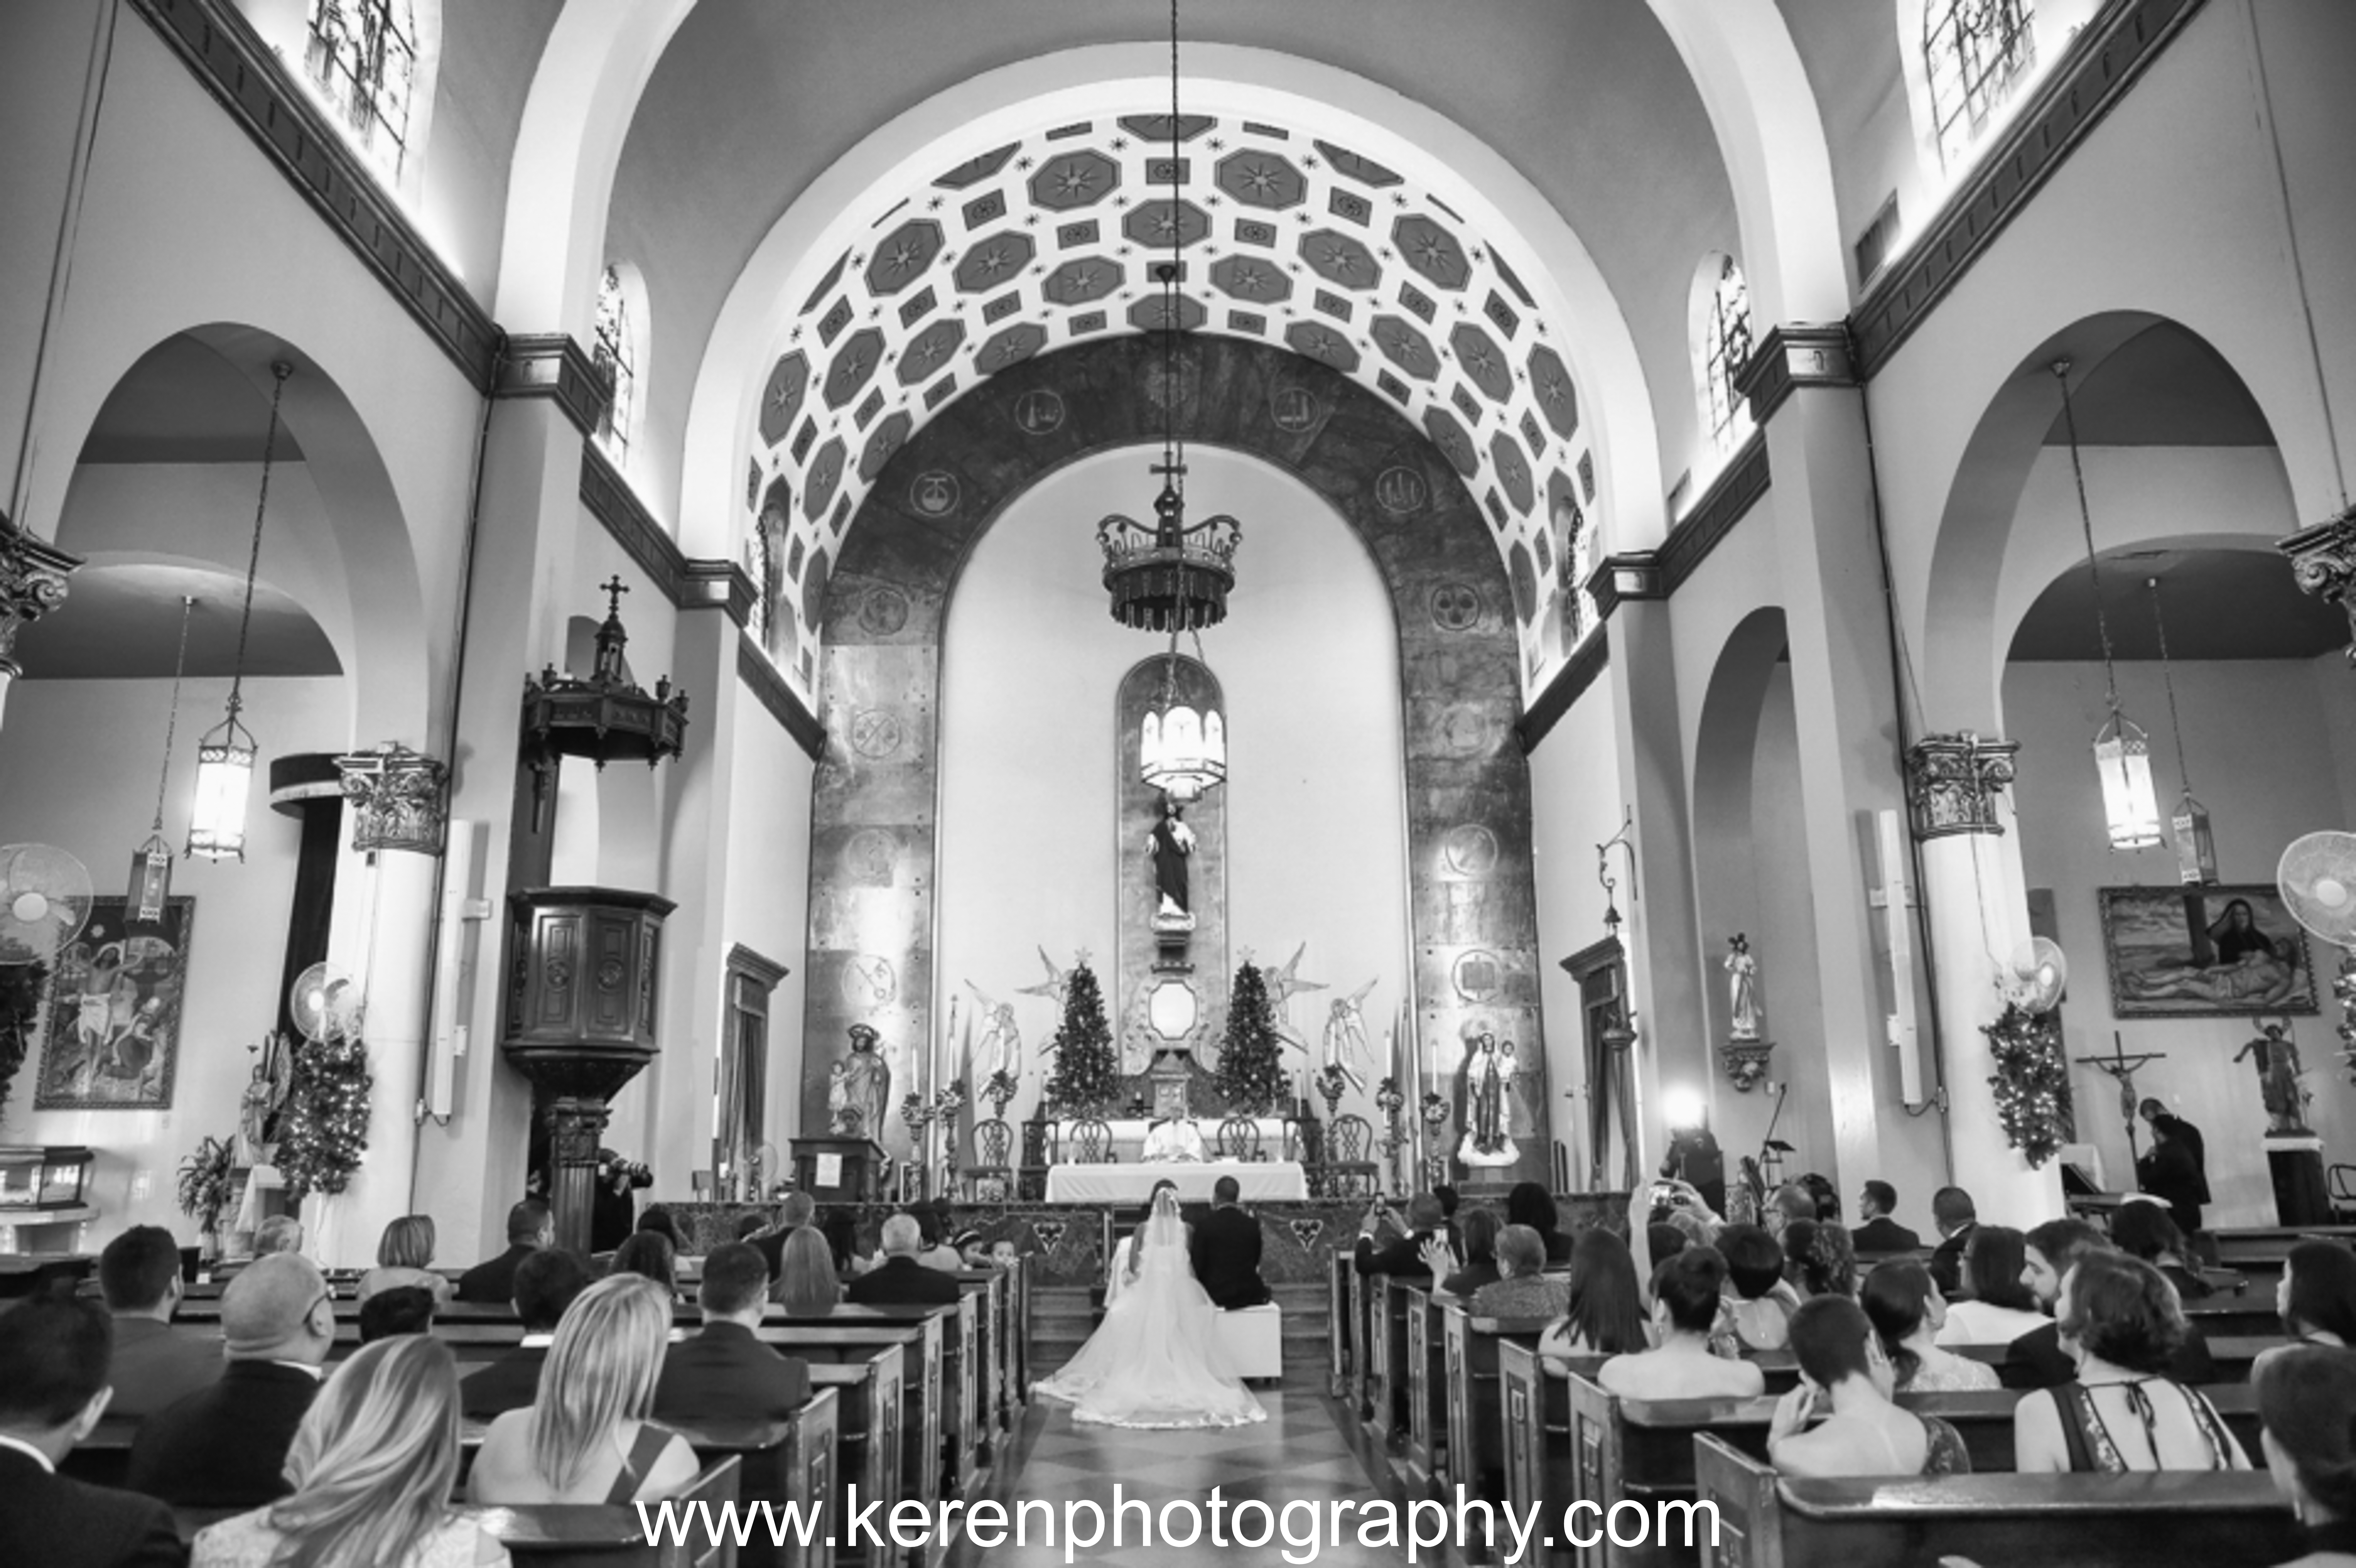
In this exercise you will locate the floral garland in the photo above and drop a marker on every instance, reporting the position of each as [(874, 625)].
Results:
[(21, 985), (326, 1129), (2031, 1082)]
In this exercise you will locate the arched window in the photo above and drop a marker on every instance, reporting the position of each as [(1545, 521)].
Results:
[(1975, 54), (369, 59), (617, 354), (1721, 333)]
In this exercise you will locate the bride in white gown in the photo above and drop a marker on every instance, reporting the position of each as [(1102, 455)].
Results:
[(1153, 1362)]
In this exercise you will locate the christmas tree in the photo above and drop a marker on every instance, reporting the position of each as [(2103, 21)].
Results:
[(326, 1116), (1087, 1079), (2031, 1082), (1251, 1057)]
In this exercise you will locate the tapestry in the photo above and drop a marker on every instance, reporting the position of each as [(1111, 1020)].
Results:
[(114, 1039)]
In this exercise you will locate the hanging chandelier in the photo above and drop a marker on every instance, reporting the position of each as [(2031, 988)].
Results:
[(226, 753), (2122, 751), (2196, 847), (151, 863)]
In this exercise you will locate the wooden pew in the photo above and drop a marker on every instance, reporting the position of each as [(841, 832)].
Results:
[(2220, 1520), (868, 1440), (1341, 1341), (1537, 1416), (1475, 1402), (1427, 1386), (1367, 1348)]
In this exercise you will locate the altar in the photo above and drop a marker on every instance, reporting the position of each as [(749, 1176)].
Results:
[(1262, 1181)]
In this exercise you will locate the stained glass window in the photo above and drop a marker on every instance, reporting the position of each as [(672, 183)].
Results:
[(1725, 348), (615, 356), (362, 54), (1974, 52)]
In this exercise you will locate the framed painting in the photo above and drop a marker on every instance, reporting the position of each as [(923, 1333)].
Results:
[(115, 997), (2189, 952)]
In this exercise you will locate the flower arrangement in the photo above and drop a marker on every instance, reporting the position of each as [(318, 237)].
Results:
[(2031, 1082), (1435, 1109), (915, 1114), (1388, 1099), (204, 1186), (999, 1092), (1331, 1083), (948, 1100)]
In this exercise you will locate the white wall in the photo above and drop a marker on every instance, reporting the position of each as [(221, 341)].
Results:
[(77, 770), (2261, 751), (1032, 662), (768, 892)]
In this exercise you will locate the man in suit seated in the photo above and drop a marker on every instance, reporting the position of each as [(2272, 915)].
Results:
[(2037, 1358), (900, 1278), (530, 1226), (1879, 1232), (225, 1446), (724, 1373), (53, 1356), (1226, 1250), (155, 1363), (1956, 1217), (1404, 1255), (545, 1283)]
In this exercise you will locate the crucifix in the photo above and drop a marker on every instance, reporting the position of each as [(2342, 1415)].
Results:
[(2122, 1067)]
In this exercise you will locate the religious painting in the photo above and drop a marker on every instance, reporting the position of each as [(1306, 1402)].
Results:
[(2195, 952), (115, 998)]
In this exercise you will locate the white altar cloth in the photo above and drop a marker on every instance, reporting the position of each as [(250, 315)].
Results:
[(1261, 1180)]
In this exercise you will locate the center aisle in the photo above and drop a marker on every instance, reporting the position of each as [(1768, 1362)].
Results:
[(1300, 1452)]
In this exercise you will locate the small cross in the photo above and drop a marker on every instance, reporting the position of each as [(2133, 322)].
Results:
[(614, 588)]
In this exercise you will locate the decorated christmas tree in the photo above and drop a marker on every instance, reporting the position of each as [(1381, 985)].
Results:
[(326, 1128), (2031, 1082), (1251, 1056), (1087, 1079)]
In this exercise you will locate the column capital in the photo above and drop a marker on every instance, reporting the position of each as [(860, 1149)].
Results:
[(1952, 783), (400, 799), (1632, 574), (1795, 355), (32, 575), (2323, 563)]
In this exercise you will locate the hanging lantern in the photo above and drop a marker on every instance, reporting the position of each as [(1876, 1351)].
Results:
[(2123, 757), (1183, 752), (2196, 848), (151, 863)]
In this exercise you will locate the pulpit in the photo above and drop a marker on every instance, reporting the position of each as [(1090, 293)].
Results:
[(838, 1170)]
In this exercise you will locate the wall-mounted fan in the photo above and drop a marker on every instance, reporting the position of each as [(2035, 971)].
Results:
[(44, 901), (2035, 975), (2316, 879), (326, 1003)]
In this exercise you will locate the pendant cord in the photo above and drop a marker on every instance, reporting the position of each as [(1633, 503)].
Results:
[(2168, 679), (172, 719), (1173, 449), (253, 554), (2086, 526)]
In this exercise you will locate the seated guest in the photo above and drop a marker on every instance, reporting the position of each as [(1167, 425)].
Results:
[(1691, 1226), (1876, 1231), (1529, 1203), (155, 1363), (531, 1227), (2121, 1322), (807, 1285), (1822, 1194), (1954, 1216), (933, 1227), (1522, 1288), (1907, 1310), (799, 1210), (403, 1309), (1606, 1315), (2306, 1403), (658, 1220), (2037, 1358), (279, 1233), (587, 1438), (746, 1227), (1787, 1205), (900, 1278), (372, 1464), (1763, 1299), (2001, 1308), (405, 1256), (52, 1391), (724, 1373), (1839, 1422), (1224, 1250), (2144, 1230), (650, 1256), (1664, 1240), (1402, 1255), (225, 1446), (1478, 1231), (545, 1285), (1817, 1258), (2316, 1297), (1686, 1296)]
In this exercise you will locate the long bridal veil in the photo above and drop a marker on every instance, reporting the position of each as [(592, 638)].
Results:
[(1153, 1361)]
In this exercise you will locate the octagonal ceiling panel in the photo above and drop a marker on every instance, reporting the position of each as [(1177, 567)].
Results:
[(1053, 238)]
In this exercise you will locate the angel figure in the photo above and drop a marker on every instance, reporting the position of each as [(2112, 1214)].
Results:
[(1054, 986), (1000, 1051), (1345, 1037)]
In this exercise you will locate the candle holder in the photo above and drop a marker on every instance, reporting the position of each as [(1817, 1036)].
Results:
[(917, 1116), (1435, 1111), (1330, 1084), (1390, 1102)]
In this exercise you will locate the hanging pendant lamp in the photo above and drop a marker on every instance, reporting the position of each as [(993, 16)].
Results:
[(2196, 847), (226, 753), (151, 863)]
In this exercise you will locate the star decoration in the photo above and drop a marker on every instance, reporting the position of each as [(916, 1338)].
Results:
[(1433, 252), (1024, 163), (1480, 361), (1260, 177), (1284, 979), (992, 261)]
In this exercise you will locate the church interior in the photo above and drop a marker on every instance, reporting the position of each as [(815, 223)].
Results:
[(966, 608)]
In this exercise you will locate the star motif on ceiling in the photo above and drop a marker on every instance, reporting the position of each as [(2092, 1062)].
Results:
[(1308, 163), (1217, 146), (1433, 251), (1250, 280), (928, 350), (1554, 389), (1321, 342), (1480, 361), (1398, 198), (1121, 144), (796, 336), (1024, 163), (1260, 177), (934, 205), (1165, 223), (1075, 179), (992, 261), (779, 397)]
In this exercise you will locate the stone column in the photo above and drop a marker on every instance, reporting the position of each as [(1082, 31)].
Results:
[(1975, 893), (32, 575)]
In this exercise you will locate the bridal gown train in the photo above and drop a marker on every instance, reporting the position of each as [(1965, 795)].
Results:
[(1153, 1362)]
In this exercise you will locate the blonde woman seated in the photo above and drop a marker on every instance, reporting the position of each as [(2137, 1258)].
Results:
[(807, 1285), (405, 1256), (2120, 1320), (372, 1466), (1839, 1421), (587, 1438)]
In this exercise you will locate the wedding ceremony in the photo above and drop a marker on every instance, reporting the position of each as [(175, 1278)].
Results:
[(1525, 783)]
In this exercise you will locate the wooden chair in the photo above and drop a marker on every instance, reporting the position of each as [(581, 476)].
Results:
[(993, 1159), (1092, 1143), (1239, 1139), (1348, 1170)]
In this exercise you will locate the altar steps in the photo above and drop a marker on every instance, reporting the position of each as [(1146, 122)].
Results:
[(1062, 1319)]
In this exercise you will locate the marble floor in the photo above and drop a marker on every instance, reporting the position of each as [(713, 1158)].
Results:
[(1305, 1451)]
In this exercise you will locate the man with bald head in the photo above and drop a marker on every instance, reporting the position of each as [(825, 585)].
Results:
[(900, 1278), (225, 1446)]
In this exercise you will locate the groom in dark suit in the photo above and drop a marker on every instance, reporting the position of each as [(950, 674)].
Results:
[(1226, 1250)]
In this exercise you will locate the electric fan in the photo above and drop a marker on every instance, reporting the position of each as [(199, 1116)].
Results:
[(2034, 977), (2316, 879), (326, 1004), (44, 901)]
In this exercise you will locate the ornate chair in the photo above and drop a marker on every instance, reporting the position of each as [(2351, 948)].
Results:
[(1041, 1148), (1238, 1138), (993, 1159), (1092, 1142), (1348, 1170)]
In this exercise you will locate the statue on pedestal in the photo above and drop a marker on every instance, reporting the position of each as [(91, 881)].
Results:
[(860, 1087), (2275, 1057), (1488, 1118), (1170, 843), (1743, 988)]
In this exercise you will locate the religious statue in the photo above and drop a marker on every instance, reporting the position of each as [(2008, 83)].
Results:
[(1743, 988), (1345, 1037), (2275, 1057), (258, 1107), (1170, 843), (1488, 1118), (860, 1087), (1000, 1051)]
